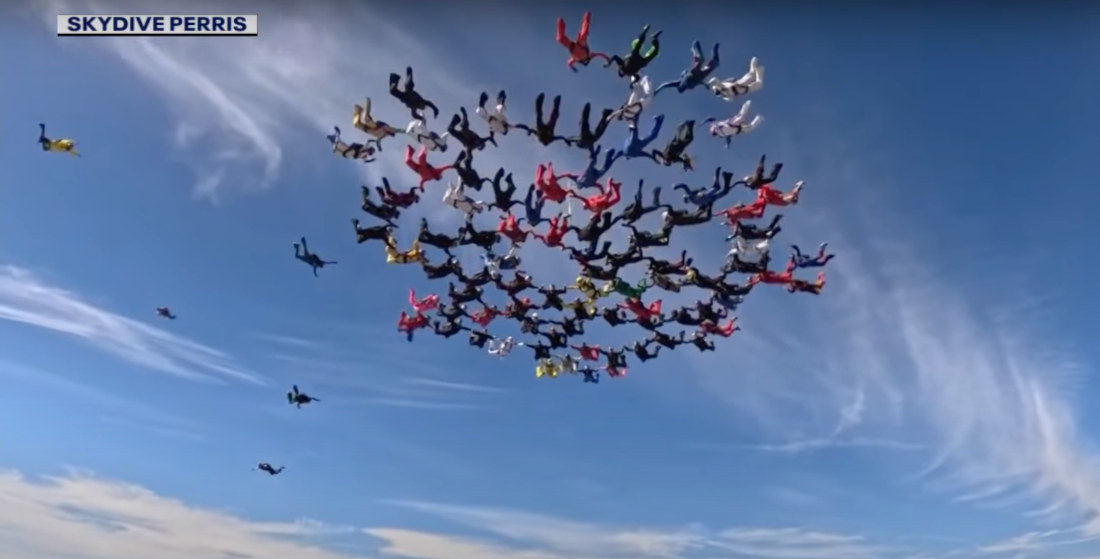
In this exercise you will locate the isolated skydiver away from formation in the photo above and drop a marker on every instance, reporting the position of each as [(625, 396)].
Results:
[(503, 196), (390, 197), (544, 130), (267, 468), (588, 137), (299, 398), (579, 52), (497, 116), (363, 121), (165, 312), (594, 171), (459, 128), (418, 163), (816, 261), (455, 196), (63, 145), (708, 196), (696, 74), (637, 209), (635, 146), (376, 233), (635, 61), (428, 139), (410, 97), (730, 88), (362, 152), (641, 93), (301, 252), (734, 125), (675, 150), (383, 211)]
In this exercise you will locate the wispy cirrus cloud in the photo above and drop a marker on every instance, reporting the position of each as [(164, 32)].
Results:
[(25, 298)]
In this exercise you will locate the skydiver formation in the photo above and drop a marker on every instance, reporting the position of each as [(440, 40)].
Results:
[(552, 320)]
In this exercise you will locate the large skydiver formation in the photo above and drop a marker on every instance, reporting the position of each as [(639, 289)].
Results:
[(554, 326)]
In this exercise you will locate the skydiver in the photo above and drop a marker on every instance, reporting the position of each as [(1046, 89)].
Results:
[(664, 282), (382, 211), (582, 310), (706, 311), (390, 197), (608, 196), (529, 324), (437, 240), (447, 328), (552, 296), (758, 178), (570, 326), (544, 130), (694, 277), (411, 256), (635, 146), (806, 261), (410, 97), (584, 284), (675, 149), (301, 252), (418, 163), (427, 139), (699, 339), (557, 338), (502, 197), (497, 118), (590, 253), (63, 145), (469, 235), (408, 325), (725, 330), (726, 300), (532, 206), (165, 312), (646, 239), (641, 94), (728, 89), (636, 209), (510, 229), (683, 317), (519, 282), (635, 61), (362, 152), (567, 363), (468, 294), (579, 52), (546, 368), (641, 350), (483, 277), (773, 197), (664, 267), (460, 130), (628, 290), (614, 316), (679, 218), (802, 286), (376, 233), (587, 352), (362, 120), (590, 375), (734, 264), (666, 341), (596, 272), (594, 171), (696, 74), (542, 351), (587, 138), (453, 312), (479, 338), (484, 316), (596, 226), (734, 125), (626, 258), (509, 261), (447, 268), (616, 361), (750, 252), (708, 196), (751, 232), (737, 212), (299, 398), (455, 196), (643, 311), (559, 227), (548, 183), (502, 347), (269, 469), (518, 307), (651, 324)]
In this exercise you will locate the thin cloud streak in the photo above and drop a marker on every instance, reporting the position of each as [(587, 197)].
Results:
[(426, 405), (26, 299), (448, 385)]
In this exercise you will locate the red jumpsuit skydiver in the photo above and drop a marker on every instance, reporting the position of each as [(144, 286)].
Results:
[(769, 276), (736, 213), (598, 203), (642, 312), (510, 229), (579, 52), (419, 165), (773, 197), (546, 182), (725, 330), (559, 226), (427, 303), (483, 316), (588, 352), (409, 324)]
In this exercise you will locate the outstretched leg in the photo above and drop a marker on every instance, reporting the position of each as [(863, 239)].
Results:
[(42, 139), (410, 84), (582, 35), (654, 48), (305, 247), (601, 126), (586, 131), (657, 122), (555, 111), (538, 110), (714, 60), (430, 105), (560, 36), (696, 52)]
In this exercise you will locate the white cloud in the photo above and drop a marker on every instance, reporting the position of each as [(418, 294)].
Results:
[(26, 299)]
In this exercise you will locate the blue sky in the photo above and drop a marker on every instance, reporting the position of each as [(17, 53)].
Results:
[(932, 403)]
